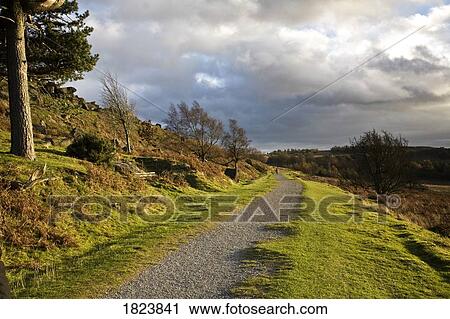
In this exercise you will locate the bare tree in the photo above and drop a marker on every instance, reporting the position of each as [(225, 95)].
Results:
[(380, 161), (236, 143), (195, 125), (115, 98), (14, 13)]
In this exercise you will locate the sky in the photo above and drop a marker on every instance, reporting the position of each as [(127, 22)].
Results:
[(251, 60)]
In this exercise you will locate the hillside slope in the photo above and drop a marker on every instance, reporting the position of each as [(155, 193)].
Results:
[(58, 254)]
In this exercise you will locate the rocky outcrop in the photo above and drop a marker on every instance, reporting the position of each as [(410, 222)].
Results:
[(69, 93), (90, 106)]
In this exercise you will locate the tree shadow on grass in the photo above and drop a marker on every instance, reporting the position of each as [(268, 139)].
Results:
[(421, 250), (51, 151), (263, 264)]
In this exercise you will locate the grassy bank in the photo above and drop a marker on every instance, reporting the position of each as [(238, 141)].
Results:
[(75, 258), (368, 259), (108, 254)]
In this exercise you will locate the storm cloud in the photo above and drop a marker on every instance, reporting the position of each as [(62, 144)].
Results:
[(251, 60)]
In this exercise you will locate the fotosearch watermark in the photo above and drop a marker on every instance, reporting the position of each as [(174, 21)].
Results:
[(219, 208)]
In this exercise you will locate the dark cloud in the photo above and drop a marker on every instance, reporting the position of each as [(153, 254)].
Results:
[(402, 65), (425, 53), (251, 60)]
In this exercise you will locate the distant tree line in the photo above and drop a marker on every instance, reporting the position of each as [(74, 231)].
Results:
[(376, 160)]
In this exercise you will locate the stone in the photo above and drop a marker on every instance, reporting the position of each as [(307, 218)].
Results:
[(40, 128), (231, 173), (65, 91), (50, 88), (92, 106)]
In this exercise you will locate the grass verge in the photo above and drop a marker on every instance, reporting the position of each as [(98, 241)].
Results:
[(368, 259)]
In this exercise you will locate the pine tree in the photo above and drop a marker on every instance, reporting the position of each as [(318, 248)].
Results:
[(60, 63), (57, 45)]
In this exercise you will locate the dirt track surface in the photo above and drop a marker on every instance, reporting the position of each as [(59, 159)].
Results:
[(208, 266)]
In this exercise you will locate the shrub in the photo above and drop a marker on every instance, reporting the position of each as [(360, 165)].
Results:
[(91, 148)]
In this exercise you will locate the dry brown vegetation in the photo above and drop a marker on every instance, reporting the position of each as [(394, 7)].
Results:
[(100, 178), (428, 207), (25, 222)]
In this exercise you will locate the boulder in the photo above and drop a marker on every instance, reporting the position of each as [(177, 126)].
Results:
[(65, 91), (124, 168), (231, 173), (40, 128), (91, 106), (50, 88)]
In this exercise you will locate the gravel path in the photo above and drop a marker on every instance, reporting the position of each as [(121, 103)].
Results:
[(209, 265)]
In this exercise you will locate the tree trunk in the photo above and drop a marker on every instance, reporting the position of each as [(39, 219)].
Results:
[(19, 100), (127, 137), (236, 178)]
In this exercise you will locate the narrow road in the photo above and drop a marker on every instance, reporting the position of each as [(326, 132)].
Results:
[(209, 265)]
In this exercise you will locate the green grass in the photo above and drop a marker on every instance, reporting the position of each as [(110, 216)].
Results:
[(107, 259), (108, 253), (394, 259), (53, 157)]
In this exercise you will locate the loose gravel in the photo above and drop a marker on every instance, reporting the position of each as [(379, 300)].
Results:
[(209, 265)]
